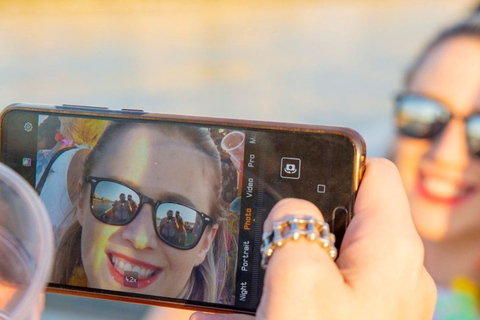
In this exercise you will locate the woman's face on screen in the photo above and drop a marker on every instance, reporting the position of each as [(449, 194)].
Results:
[(441, 177), (161, 168)]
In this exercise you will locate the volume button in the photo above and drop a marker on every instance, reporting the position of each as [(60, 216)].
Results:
[(133, 110), (74, 106)]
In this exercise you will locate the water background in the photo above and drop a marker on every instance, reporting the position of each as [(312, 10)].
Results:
[(321, 62)]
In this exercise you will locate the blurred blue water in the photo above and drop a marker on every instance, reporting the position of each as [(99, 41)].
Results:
[(312, 62)]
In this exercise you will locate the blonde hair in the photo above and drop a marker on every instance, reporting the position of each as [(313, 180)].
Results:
[(82, 131)]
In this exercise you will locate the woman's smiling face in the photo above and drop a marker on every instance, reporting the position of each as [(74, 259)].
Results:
[(441, 177), (161, 168)]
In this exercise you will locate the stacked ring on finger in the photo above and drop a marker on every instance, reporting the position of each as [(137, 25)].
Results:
[(293, 228)]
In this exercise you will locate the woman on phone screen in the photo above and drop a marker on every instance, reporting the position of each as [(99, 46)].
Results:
[(161, 168)]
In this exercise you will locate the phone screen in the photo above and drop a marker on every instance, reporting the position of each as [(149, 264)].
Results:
[(172, 211)]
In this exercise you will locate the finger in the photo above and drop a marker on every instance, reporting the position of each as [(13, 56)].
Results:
[(381, 241), (155, 313), (298, 269), (382, 225), (291, 207), (208, 316)]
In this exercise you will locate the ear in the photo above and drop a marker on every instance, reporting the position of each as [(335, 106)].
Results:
[(206, 243)]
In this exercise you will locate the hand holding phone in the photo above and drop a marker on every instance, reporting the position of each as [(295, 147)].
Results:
[(379, 273)]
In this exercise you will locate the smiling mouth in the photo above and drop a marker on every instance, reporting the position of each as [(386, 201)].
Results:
[(440, 190), (128, 266)]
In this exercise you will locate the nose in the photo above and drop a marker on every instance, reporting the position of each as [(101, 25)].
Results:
[(140, 232), (451, 147)]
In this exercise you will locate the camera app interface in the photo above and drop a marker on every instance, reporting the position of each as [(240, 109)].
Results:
[(172, 210)]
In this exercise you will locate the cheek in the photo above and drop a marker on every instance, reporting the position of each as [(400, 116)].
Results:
[(408, 157), (180, 261), (95, 239)]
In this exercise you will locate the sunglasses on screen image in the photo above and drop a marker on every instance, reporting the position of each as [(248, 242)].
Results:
[(423, 117), (116, 203)]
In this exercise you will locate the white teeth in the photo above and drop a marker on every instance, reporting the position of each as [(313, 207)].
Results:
[(123, 266), (442, 188)]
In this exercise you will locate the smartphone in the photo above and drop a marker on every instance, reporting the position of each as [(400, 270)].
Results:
[(166, 209)]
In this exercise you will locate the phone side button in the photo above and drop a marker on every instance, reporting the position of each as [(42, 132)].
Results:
[(74, 106), (134, 110)]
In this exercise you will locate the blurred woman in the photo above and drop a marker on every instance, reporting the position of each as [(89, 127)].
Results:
[(438, 156)]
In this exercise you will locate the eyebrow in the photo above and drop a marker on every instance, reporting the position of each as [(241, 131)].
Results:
[(178, 198)]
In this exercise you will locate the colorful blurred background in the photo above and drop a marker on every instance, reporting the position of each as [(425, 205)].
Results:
[(336, 62)]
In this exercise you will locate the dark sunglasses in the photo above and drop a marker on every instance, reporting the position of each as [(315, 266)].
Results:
[(423, 117), (116, 203)]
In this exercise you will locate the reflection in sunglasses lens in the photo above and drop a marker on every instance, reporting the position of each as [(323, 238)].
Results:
[(421, 117), (425, 118), (473, 132), (178, 225), (114, 203)]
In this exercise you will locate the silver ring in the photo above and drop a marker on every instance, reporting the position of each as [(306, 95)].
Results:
[(293, 228)]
